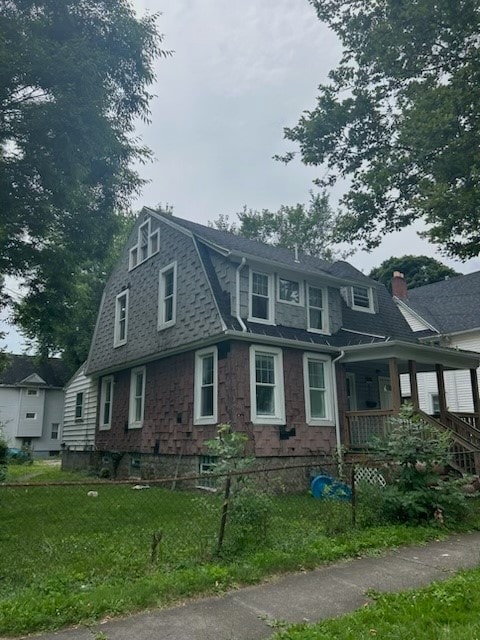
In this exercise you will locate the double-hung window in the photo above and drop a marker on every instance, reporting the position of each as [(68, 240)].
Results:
[(206, 386), (54, 430), (266, 385), (137, 398), (79, 406), (317, 310), (121, 319), (148, 243), (106, 399), (167, 296), (362, 299), (317, 377), (261, 297)]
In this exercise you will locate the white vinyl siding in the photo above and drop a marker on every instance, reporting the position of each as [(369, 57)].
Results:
[(80, 435), (266, 385), (206, 386)]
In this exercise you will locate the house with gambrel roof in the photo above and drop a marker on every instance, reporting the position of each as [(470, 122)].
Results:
[(199, 327)]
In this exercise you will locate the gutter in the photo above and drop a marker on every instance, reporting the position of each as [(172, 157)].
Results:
[(237, 294), (337, 413)]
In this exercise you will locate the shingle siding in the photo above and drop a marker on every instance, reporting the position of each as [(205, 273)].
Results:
[(197, 317)]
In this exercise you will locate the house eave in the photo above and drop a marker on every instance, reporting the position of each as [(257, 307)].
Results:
[(404, 351)]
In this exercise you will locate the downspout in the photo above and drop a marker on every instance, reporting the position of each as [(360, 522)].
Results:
[(337, 413), (237, 294)]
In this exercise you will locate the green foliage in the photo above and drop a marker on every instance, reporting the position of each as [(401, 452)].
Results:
[(399, 119), (416, 492), (73, 82), (442, 610), (418, 271), (3, 455), (229, 449), (310, 227)]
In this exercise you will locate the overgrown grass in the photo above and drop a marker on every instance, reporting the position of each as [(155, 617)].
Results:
[(443, 610), (69, 558), (41, 471)]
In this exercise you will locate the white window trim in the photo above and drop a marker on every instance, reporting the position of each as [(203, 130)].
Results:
[(103, 426), (199, 419), (271, 302), (325, 313), (52, 431), (150, 235), (117, 342), (162, 324), (33, 393), (301, 292), (81, 405), (370, 308), (329, 400), (30, 415), (279, 393), (132, 423)]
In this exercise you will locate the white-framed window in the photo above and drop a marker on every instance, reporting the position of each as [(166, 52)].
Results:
[(317, 378), (79, 405), (206, 386), (362, 299), (267, 396), (106, 400), (148, 244), (261, 298), (30, 415), (137, 398), (289, 291), (54, 431), (167, 296), (317, 309), (121, 319), (32, 392)]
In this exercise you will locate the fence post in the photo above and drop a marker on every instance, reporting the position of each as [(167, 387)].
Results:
[(223, 521), (354, 496)]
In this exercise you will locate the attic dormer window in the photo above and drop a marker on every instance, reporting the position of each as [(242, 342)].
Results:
[(148, 244), (362, 299), (261, 297)]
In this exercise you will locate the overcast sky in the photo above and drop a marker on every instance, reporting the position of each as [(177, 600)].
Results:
[(240, 72)]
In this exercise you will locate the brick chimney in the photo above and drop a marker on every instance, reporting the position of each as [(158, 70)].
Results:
[(399, 286)]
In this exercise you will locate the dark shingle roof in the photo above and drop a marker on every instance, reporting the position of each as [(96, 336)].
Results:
[(449, 305), (53, 371), (279, 255)]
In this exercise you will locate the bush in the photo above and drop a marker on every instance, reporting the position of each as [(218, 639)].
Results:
[(3, 455), (415, 492)]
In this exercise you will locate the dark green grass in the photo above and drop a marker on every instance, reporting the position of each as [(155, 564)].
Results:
[(444, 610), (68, 558)]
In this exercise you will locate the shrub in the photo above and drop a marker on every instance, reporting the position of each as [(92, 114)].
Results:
[(415, 492)]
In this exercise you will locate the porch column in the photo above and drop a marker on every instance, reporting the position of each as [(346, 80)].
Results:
[(412, 373), (475, 396), (395, 384), (442, 398)]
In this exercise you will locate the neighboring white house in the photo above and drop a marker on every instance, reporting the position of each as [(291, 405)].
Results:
[(31, 403), (445, 313), (80, 412)]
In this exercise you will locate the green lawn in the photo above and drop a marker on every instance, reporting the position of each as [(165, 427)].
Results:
[(444, 610), (68, 558)]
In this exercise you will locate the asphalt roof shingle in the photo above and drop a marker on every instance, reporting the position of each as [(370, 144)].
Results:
[(53, 371)]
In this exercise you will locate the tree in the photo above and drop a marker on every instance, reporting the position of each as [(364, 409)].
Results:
[(307, 227), (59, 311), (399, 119), (73, 81), (418, 270)]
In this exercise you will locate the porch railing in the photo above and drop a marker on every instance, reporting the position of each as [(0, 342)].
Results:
[(364, 426)]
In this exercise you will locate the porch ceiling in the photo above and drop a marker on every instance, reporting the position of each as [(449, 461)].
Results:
[(425, 356)]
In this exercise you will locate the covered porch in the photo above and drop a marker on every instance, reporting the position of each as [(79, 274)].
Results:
[(373, 381)]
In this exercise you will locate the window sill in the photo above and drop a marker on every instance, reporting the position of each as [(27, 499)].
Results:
[(267, 420), (135, 425)]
